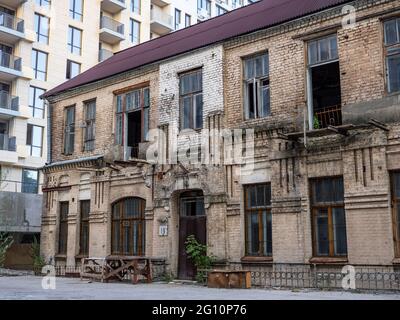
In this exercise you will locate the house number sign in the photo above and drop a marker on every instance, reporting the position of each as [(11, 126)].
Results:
[(163, 230)]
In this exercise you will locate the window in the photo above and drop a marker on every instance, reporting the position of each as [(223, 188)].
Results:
[(30, 181), (396, 210), (392, 52), (90, 128), (128, 227), (324, 94), (130, 108), (177, 19), (135, 6), (69, 130), (35, 103), (188, 19), (63, 228), (39, 64), (74, 40), (34, 139), (43, 3), (237, 3), (73, 69), (134, 34), (84, 228), (76, 9), (258, 220), (42, 28), (328, 217), (191, 100), (256, 87), (204, 6), (220, 10)]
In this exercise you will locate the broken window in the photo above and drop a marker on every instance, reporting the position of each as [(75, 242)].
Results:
[(63, 228), (89, 132), (392, 50), (69, 130), (258, 220), (328, 217), (128, 227), (396, 210), (256, 87), (324, 94), (191, 100), (132, 120), (84, 228)]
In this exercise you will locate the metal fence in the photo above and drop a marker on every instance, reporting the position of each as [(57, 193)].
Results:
[(312, 276)]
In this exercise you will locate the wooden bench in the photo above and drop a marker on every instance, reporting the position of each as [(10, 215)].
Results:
[(116, 268), (227, 279)]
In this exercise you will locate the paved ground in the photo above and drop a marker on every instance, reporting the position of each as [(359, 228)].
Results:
[(29, 287)]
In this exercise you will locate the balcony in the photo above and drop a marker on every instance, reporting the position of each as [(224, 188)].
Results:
[(113, 6), (161, 3), (8, 149), (329, 116), (11, 28), (104, 54), (160, 22), (111, 31), (203, 14), (13, 4), (10, 66), (9, 105)]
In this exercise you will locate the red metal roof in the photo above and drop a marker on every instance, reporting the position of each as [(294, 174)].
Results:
[(260, 15)]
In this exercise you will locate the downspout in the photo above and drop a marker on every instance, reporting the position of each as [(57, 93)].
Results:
[(49, 141)]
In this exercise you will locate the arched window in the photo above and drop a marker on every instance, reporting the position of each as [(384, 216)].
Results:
[(128, 227)]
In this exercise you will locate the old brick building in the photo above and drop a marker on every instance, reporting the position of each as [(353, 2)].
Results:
[(320, 91)]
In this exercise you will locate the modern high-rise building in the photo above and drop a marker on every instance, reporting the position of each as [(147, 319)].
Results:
[(44, 43)]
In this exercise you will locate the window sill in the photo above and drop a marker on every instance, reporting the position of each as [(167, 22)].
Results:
[(329, 260), (60, 257), (256, 260), (80, 256)]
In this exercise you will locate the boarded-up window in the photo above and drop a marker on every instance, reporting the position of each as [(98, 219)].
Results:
[(128, 227), (63, 228), (328, 217), (258, 220), (84, 230)]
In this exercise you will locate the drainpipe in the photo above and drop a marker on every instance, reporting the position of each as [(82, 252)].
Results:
[(49, 157)]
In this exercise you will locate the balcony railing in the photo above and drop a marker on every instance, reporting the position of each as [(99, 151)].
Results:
[(7, 143), (160, 16), (104, 54), (112, 25), (11, 22), (10, 61), (8, 101), (329, 116)]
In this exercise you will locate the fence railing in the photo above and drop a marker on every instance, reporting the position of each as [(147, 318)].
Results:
[(329, 116), (104, 54), (160, 16), (112, 24), (312, 276), (10, 61), (11, 22), (8, 101)]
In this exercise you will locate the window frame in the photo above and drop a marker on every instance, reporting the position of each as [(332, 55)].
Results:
[(123, 220), (69, 130), (73, 13), (177, 18), (249, 210), (30, 128), (33, 98), (72, 47), (395, 203), (36, 71), (63, 228), (84, 222), (23, 183), (314, 213), (89, 140), (391, 50), (138, 7), (70, 63), (193, 106), (188, 20), (43, 3), (38, 28), (132, 36)]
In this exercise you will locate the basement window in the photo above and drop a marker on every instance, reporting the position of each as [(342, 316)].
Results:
[(256, 87), (392, 54), (132, 120), (324, 92)]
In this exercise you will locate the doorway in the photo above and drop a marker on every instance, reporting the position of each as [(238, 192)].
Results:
[(134, 133), (192, 221)]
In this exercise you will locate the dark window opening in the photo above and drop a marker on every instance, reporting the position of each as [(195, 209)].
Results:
[(396, 211), (63, 228), (134, 132), (84, 228)]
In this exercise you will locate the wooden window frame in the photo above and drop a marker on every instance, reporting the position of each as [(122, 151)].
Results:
[(71, 150), (395, 201), (84, 221), (122, 220), (193, 106), (63, 221), (329, 206), (89, 122), (390, 50), (259, 210)]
